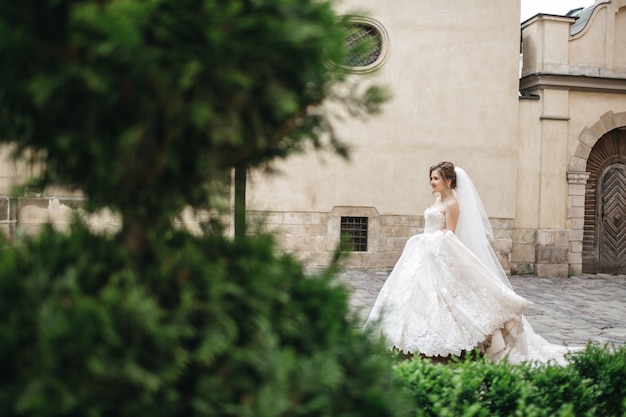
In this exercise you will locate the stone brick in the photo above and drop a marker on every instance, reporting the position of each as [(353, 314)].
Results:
[(415, 231), (576, 212), (576, 235), (502, 245), (561, 237), (29, 229), (576, 247), (598, 130), (524, 236), (314, 260), (551, 254), (304, 229), (589, 137), (620, 119), (504, 259), (583, 151), (504, 224), (332, 234), (290, 242), (274, 218), (545, 237), (552, 270), (301, 218), (575, 258), (608, 120), (387, 259), (395, 244), (387, 220), (34, 214), (576, 269), (303, 242), (7, 229), (402, 232), (577, 224), (357, 260), (315, 218), (577, 189), (578, 201), (577, 164), (400, 220), (522, 268), (523, 253), (291, 219), (5, 209), (503, 234)]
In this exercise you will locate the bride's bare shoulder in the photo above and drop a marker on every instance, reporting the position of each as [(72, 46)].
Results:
[(451, 204)]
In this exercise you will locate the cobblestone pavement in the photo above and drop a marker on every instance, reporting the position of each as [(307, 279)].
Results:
[(576, 310)]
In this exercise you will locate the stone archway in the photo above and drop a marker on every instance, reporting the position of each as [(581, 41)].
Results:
[(582, 210)]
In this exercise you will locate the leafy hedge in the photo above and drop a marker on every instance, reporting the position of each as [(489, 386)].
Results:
[(592, 384), (198, 327), (146, 107)]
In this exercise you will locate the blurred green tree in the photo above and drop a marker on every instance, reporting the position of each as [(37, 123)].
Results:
[(142, 105)]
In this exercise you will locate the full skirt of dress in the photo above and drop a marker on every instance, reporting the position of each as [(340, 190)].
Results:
[(441, 300)]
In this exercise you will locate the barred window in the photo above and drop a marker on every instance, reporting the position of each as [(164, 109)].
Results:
[(353, 234), (364, 44), (367, 44)]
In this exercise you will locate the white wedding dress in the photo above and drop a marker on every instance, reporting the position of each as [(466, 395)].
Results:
[(448, 293), (440, 299)]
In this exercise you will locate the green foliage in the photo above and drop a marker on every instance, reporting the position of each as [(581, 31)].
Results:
[(590, 385), (200, 327), (144, 104), (606, 368)]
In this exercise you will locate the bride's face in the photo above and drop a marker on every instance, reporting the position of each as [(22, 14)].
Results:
[(437, 182)]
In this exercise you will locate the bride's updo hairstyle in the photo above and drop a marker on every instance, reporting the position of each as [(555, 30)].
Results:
[(446, 169)]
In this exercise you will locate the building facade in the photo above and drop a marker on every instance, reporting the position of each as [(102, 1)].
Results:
[(572, 143), (536, 114), (544, 143)]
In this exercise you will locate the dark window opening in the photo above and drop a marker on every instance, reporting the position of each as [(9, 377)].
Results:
[(353, 234)]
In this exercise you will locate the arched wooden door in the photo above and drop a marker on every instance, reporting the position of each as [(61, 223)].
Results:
[(612, 220), (604, 234)]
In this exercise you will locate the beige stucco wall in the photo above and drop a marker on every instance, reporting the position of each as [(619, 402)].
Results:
[(595, 51), (447, 105), (598, 50), (452, 69), (575, 91)]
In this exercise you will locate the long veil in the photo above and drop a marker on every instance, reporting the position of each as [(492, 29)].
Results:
[(474, 231), (473, 227)]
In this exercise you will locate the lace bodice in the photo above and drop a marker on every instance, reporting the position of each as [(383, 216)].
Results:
[(434, 220)]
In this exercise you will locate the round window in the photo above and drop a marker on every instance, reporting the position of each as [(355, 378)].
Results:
[(367, 45)]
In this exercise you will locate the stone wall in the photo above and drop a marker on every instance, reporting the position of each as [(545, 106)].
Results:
[(313, 237), (542, 252), (523, 251), (25, 216)]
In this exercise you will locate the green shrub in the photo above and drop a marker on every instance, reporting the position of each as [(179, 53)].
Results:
[(146, 107), (606, 369), (590, 385), (202, 327)]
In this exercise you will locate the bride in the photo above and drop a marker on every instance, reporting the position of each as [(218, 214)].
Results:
[(448, 294)]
